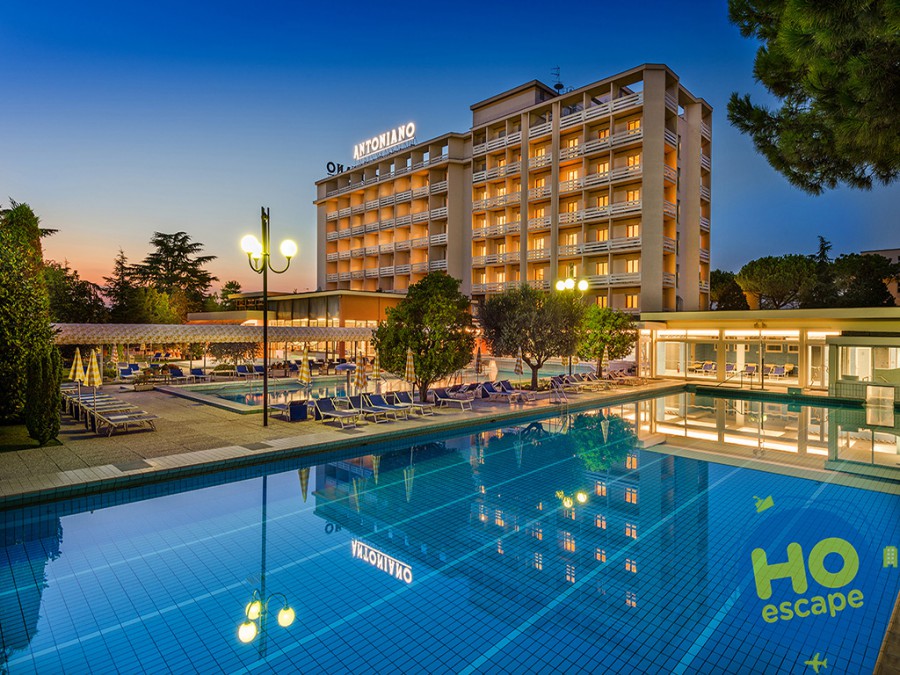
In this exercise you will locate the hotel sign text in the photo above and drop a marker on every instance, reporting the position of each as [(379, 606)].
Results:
[(382, 561), (405, 133)]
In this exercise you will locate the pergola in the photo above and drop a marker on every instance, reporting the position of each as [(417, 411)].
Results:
[(138, 333)]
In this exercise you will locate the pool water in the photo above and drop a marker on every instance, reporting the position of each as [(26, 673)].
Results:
[(559, 545)]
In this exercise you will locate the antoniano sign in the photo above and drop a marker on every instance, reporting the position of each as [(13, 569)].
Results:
[(381, 561), (405, 133)]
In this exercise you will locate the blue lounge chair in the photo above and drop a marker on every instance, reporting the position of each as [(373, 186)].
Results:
[(126, 374), (376, 414), (441, 397), (176, 375), (403, 398), (294, 411), (134, 367), (199, 375), (377, 401), (326, 409), (523, 394), (243, 371), (259, 370), (493, 393)]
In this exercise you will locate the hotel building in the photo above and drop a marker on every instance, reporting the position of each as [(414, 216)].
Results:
[(609, 183)]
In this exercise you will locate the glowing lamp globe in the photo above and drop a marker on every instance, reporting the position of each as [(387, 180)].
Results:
[(570, 284), (583, 285), (247, 631), (567, 502), (288, 248), (254, 609), (560, 285), (251, 246), (286, 617), (581, 497)]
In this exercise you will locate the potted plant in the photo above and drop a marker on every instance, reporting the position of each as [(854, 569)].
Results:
[(142, 382)]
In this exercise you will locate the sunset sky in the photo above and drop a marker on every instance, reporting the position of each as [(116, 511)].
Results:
[(121, 119)]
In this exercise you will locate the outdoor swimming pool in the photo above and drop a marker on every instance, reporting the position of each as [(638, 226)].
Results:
[(559, 545)]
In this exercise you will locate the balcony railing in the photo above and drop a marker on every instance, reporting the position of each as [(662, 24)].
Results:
[(482, 260), (626, 137), (497, 143), (403, 220), (371, 250), (331, 215), (372, 227), (538, 223), (420, 192), (387, 200), (357, 230), (344, 255), (539, 192), (670, 209), (706, 131), (625, 207), (704, 224), (331, 257), (538, 161), (386, 248), (437, 159), (402, 245), (439, 186), (668, 245), (437, 265), (419, 242), (404, 196), (625, 172), (331, 278), (572, 151), (625, 102), (372, 204), (343, 213), (372, 272), (704, 255), (539, 254), (387, 271), (705, 162), (386, 224), (402, 269), (704, 193), (331, 236), (540, 129), (671, 103), (668, 280), (419, 267), (344, 276), (570, 185), (704, 286), (621, 279), (420, 217), (359, 208), (357, 274), (440, 212), (358, 253), (439, 239), (508, 257), (595, 145), (671, 138), (670, 174), (568, 250)]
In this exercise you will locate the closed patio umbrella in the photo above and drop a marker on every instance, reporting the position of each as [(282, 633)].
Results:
[(76, 374), (305, 377), (518, 369), (410, 374), (478, 360), (376, 372), (360, 381), (93, 378)]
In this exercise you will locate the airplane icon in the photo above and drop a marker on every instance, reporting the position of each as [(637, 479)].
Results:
[(816, 664)]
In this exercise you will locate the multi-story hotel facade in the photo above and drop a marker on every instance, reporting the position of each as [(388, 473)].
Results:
[(608, 183)]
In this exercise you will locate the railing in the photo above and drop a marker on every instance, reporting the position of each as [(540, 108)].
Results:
[(371, 250), (331, 236), (627, 136), (439, 186), (357, 274), (671, 138), (704, 255), (536, 283), (670, 174), (508, 257), (625, 102), (567, 217), (343, 234), (387, 200), (404, 196), (490, 287), (331, 277), (706, 131), (331, 215), (668, 280), (344, 255), (596, 111), (570, 185), (670, 209), (704, 224), (625, 172), (358, 253), (496, 172), (357, 230), (538, 223), (402, 269), (617, 244), (344, 276), (668, 245), (705, 162), (595, 145), (439, 239), (372, 272), (343, 213), (625, 207), (436, 265), (372, 204), (595, 212), (402, 245), (499, 200), (331, 257), (704, 193), (572, 151), (497, 143), (420, 192), (538, 161), (539, 192), (480, 232), (539, 254), (359, 208), (386, 248), (420, 267), (496, 230), (568, 249), (621, 279), (540, 129), (596, 178), (403, 220), (372, 227), (420, 242), (671, 102), (482, 260), (386, 224), (420, 217), (704, 286), (571, 119), (440, 212), (387, 271)]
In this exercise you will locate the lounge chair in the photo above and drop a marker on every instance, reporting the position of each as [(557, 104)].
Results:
[(327, 411), (404, 398), (709, 368), (244, 371), (441, 397), (465, 390), (523, 394), (596, 382), (624, 378), (126, 374), (750, 369), (377, 401), (134, 367), (122, 421), (293, 411), (778, 371), (259, 370), (200, 376), (493, 393), (376, 414), (176, 375)]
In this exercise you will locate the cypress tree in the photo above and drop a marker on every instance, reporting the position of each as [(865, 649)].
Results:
[(42, 398)]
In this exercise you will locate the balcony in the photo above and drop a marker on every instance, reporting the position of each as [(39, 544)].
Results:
[(439, 239), (595, 145), (670, 174), (671, 103), (704, 224), (437, 265), (626, 102), (359, 208), (420, 217), (567, 250), (439, 186), (538, 223), (331, 257), (403, 220), (386, 224), (482, 260), (402, 245), (344, 255), (440, 212), (508, 257), (343, 213), (670, 209), (540, 129), (573, 118), (387, 200), (344, 276), (331, 215), (621, 279), (572, 151), (626, 137), (402, 269), (706, 131), (704, 286), (539, 283), (595, 213), (490, 287), (372, 227), (497, 143), (420, 242), (671, 138), (371, 204), (625, 172), (404, 196), (570, 185), (705, 162), (357, 274), (539, 254), (606, 245), (668, 245), (593, 179), (620, 208), (668, 280), (538, 161), (345, 233), (357, 230), (386, 248), (704, 255), (387, 271), (420, 192), (704, 193), (419, 267), (371, 250), (358, 253), (371, 273), (568, 217), (496, 172), (331, 236), (331, 278), (539, 192)]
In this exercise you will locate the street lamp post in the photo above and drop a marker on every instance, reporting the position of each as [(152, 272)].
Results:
[(570, 284), (259, 259)]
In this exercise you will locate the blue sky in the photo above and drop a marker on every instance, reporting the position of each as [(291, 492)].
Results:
[(121, 119)]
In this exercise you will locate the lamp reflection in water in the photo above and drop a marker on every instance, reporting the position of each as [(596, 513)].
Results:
[(568, 501), (257, 610)]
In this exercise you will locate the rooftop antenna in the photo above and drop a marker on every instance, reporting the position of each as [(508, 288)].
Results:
[(558, 85)]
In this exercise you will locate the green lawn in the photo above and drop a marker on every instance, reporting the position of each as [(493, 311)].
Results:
[(15, 437)]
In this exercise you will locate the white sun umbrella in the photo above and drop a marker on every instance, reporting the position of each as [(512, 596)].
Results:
[(361, 380), (305, 377)]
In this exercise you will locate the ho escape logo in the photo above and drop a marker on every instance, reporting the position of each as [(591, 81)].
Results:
[(798, 569)]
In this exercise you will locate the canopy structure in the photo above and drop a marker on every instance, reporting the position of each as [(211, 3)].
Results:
[(137, 333)]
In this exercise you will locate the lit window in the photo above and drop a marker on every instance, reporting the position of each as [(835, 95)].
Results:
[(602, 300), (603, 133), (569, 513), (540, 506), (633, 160), (500, 546), (482, 513), (631, 462), (538, 561), (631, 530), (630, 565), (570, 573), (571, 207), (633, 195), (481, 488), (633, 230), (498, 518), (633, 125), (568, 541), (630, 599), (602, 201), (600, 555), (572, 142), (631, 495), (600, 521), (600, 488), (537, 532), (631, 301), (602, 167), (633, 265)]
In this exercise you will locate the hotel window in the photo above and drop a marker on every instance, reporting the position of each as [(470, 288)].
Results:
[(602, 267), (571, 207), (631, 495), (631, 530), (569, 514), (633, 160), (630, 565), (631, 462), (631, 301), (600, 488), (537, 532), (633, 125), (602, 301), (633, 230), (603, 235), (538, 561), (600, 555), (633, 265), (501, 219), (603, 167), (630, 599), (603, 133), (572, 142), (600, 521), (498, 518), (633, 195), (568, 541), (602, 201), (570, 573), (539, 182)]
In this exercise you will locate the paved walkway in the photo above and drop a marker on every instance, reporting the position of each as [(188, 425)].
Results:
[(193, 438)]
